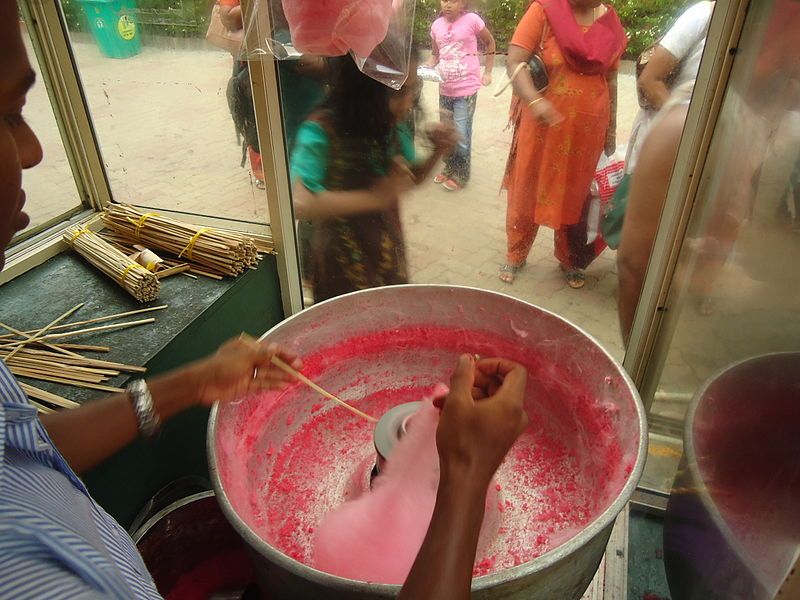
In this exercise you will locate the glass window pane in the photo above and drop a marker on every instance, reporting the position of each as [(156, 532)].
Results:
[(463, 236), (157, 93), (51, 183), (730, 375)]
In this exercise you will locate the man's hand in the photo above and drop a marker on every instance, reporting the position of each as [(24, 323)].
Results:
[(487, 77), (482, 416), (240, 366)]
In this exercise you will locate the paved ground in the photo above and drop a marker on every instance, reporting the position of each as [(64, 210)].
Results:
[(167, 141)]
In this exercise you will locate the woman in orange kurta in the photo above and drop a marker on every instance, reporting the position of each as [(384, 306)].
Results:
[(559, 135)]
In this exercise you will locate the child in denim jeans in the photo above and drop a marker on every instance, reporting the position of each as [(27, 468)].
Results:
[(455, 36)]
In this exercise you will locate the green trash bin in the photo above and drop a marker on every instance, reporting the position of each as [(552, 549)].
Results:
[(113, 24)]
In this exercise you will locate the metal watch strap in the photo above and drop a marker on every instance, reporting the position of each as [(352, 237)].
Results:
[(142, 402)]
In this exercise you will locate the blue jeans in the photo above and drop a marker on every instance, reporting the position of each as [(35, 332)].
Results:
[(462, 109)]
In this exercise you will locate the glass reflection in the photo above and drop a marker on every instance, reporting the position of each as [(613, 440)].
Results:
[(172, 110), (52, 181)]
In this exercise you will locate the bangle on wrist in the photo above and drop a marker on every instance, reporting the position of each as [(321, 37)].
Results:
[(535, 100), (143, 407)]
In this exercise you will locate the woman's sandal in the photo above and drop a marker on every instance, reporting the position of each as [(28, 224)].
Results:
[(508, 273), (576, 278)]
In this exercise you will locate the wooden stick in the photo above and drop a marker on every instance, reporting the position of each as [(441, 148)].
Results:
[(90, 321), (81, 360), (45, 410), (54, 347), (40, 334), (82, 384), (43, 363), (303, 379), (34, 392), (173, 270), (51, 336), (84, 347)]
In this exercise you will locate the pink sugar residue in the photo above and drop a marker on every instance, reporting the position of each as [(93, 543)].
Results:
[(562, 472)]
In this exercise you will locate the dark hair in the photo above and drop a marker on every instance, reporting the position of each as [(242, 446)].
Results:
[(359, 105)]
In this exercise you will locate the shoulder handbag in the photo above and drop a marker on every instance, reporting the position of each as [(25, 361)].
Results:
[(536, 65), (222, 37)]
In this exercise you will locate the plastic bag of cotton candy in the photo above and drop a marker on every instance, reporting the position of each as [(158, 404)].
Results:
[(376, 537), (377, 33)]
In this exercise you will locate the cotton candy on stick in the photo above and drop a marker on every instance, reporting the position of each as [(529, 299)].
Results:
[(376, 537), (334, 27)]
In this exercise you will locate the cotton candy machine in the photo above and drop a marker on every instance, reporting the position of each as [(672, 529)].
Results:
[(280, 461)]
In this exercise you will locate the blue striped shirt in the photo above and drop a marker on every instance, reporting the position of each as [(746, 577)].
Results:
[(55, 540)]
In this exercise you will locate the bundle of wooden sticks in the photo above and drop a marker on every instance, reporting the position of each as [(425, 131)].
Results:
[(133, 277), (41, 355), (221, 252)]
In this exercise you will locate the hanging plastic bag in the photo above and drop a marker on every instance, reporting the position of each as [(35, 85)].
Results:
[(607, 177), (377, 33)]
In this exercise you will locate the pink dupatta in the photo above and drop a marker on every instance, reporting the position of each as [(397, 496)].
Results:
[(593, 52)]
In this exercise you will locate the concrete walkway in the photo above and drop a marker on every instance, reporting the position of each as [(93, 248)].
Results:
[(168, 142)]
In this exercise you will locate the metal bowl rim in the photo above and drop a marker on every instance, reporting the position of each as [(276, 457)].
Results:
[(538, 564), (691, 455), (145, 528)]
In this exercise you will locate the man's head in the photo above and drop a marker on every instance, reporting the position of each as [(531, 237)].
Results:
[(19, 147)]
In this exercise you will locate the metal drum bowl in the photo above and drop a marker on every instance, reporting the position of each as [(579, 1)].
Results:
[(377, 342), (732, 529), (187, 536)]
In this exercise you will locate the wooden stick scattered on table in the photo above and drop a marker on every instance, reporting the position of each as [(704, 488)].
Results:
[(40, 334), (76, 383), (91, 321), (38, 394), (53, 347), (303, 379), (52, 336), (45, 410), (84, 347)]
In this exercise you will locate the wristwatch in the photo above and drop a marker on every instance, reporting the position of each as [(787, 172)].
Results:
[(142, 403)]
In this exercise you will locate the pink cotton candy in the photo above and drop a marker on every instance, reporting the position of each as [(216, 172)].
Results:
[(376, 537), (334, 27)]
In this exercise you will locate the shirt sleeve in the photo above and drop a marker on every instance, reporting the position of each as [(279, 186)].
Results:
[(478, 24), (309, 163), (528, 33), (689, 29), (406, 141)]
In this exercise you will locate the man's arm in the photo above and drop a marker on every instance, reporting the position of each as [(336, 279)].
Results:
[(92, 433), (482, 417), (648, 191), (651, 82)]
